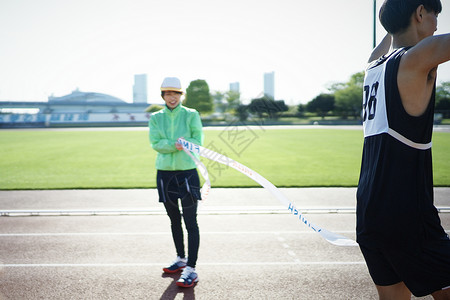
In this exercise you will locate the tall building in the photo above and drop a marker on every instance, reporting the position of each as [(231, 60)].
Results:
[(234, 86), (269, 84), (140, 88)]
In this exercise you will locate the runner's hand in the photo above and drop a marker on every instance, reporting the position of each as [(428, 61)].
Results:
[(178, 145)]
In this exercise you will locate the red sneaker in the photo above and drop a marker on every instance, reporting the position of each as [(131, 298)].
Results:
[(177, 265), (188, 278)]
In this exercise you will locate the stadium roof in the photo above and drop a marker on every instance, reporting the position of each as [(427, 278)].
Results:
[(85, 97)]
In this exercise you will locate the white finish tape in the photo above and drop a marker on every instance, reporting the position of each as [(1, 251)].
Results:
[(331, 237)]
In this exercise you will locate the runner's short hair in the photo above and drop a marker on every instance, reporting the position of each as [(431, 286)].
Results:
[(162, 93), (395, 15)]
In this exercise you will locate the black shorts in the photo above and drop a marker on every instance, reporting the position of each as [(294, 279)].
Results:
[(424, 270), (174, 185)]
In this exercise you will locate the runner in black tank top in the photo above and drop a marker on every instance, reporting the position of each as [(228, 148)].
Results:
[(395, 191), (398, 227)]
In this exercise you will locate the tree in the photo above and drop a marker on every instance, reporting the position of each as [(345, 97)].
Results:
[(443, 99), (443, 91), (154, 108), (267, 107), (348, 99), (242, 112), (321, 105), (301, 109), (226, 102), (233, 100), (198, 96), (219, 103)]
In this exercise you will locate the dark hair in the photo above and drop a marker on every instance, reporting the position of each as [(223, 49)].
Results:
[(395, 15), (162, 93)]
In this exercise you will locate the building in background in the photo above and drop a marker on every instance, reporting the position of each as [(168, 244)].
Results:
[(79, 109), (269, 85), (140, 88), (75, 109), (234, 86)]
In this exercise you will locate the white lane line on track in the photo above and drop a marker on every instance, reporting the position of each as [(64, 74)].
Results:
[(207, 210), (228, 210), (42, 234), (61, 234), (286, 246), (280, 239), (96, 265)]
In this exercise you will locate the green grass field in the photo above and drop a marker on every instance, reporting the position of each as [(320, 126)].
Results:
[(34, 159)]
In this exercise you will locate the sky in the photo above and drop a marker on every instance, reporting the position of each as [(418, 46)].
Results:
[(52, 47)]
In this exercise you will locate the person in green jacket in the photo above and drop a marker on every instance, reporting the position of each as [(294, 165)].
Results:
[(177, 176)]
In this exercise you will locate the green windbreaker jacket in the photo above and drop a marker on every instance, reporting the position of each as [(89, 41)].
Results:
[(166, 126)]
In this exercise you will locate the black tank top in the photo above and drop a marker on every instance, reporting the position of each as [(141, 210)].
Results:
[(395, 189)]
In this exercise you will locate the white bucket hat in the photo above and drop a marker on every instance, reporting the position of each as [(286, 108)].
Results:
[(171, 84)]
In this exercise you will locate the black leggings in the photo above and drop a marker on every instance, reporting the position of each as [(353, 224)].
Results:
[(189, 206)]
